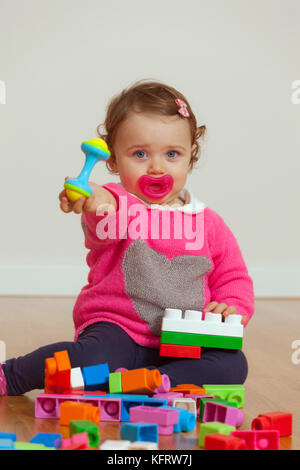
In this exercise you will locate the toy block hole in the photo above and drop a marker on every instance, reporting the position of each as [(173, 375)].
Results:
[(234, 398), (220, 414), (173, 313), (111, 408), (193, 315), (48, 405), (146, 434), (262, 443), (213, 317)]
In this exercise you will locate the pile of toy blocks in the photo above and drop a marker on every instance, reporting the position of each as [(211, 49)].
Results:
[(147, 406)]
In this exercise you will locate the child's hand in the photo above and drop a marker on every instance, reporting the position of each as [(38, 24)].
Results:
[(99, 197), (215, 307)]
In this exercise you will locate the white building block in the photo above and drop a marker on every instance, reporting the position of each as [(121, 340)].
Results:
[(77, 382), (186, 404), (128, 445), (191, 322)]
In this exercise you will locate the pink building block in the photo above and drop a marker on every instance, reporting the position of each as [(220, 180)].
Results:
[(80, 439), (47, 405), (259, 440), (163, 417), (223, 414), (169, 396), (165, 385)]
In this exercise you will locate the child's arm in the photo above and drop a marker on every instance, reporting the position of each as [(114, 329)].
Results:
[(230, 284)]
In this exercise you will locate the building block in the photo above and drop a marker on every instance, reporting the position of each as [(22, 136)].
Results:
[(207, 341), (70, 410), (231, 392), (214, 411), (78, 441), (186, 420), (258, 440), (141, 380), (77, 382), (191, 322), (212, 428), (223, 442), (115, 382), (20, 445), (58, 373), (8, 435), (128, 445), (180, 350), (81, 426), (188, 389), (169, 396), (139, 432), (186, 404), (49, 439), (198, 399), (95, 377), (6, 444), (204, 400), (277, 420), (165, 385), (165, 418)]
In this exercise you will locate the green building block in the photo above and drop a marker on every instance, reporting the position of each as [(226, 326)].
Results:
[(30, 446), (115, 382), (206, 341), (233, 393), (216, 400), (213, 427), (77, 426)]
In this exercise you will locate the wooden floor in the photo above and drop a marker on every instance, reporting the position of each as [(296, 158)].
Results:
[(273, 382)]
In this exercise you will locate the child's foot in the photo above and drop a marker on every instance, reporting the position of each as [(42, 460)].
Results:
[(3, 389)]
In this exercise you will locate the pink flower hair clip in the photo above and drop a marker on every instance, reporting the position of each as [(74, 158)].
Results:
[(182, 108)]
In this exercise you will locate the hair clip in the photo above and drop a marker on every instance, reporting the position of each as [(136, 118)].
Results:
[(182, 107)]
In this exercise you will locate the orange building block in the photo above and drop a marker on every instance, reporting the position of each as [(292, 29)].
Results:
[(70, 410), (58, 373), (140, 380), (188, 388)]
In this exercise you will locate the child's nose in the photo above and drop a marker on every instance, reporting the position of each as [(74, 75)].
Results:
[(156, 166)]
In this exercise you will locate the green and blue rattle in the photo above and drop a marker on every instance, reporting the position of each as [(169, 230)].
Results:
[(95, 150)]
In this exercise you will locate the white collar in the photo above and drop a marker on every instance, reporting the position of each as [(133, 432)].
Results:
[(192, 203)]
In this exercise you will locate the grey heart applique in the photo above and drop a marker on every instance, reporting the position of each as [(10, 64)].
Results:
[(155, 283)]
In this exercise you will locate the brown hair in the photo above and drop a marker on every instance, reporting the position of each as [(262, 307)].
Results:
[(147, 96)]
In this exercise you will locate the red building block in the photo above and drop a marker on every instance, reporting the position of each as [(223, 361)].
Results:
[(258, 440), (276, 420), (58, 373), (223, 442), (177, 350)]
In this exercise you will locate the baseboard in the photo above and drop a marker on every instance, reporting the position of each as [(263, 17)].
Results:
[(69, 280)]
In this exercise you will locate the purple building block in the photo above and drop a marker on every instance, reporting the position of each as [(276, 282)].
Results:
[(223, 414), (163, 417)]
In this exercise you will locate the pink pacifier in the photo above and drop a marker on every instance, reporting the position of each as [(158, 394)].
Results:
[(156, 188)]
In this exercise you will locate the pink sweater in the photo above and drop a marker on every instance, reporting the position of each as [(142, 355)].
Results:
[(157, 257)]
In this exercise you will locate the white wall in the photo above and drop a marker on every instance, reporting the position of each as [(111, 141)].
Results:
[(236, 61)]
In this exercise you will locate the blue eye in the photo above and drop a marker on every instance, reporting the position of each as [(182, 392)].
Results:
[(172, 152), (139, 153)]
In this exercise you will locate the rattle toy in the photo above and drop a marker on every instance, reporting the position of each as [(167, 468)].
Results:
[(95, 150)]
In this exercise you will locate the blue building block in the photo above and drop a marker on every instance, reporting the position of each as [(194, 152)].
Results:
[(186, 421), (7, 444), (49, 439), (8, 435), (95, 377), (139, 432)]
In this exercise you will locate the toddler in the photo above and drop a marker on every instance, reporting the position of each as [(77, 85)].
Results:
[(152, 245)]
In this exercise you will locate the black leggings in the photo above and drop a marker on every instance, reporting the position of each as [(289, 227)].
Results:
[(106, 342)]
